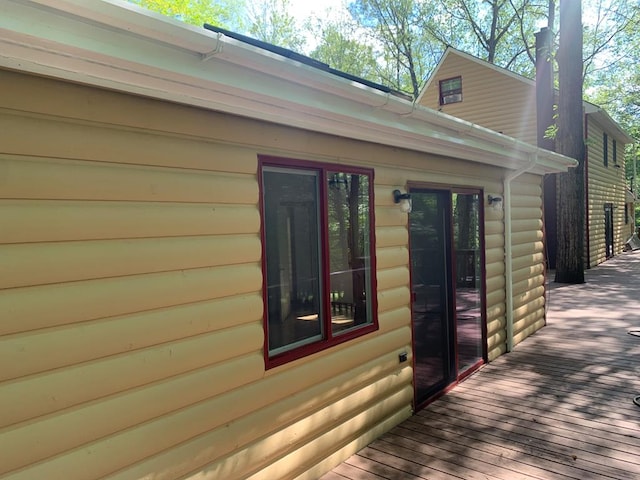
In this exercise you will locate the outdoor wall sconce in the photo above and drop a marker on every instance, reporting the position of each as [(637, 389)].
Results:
[(495, 202), (404, 199)]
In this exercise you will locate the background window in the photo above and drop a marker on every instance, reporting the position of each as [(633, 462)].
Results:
[(317, 257), (450, 90), (605, 149)]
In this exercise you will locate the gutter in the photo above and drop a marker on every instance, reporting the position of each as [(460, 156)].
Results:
[(508, 247)]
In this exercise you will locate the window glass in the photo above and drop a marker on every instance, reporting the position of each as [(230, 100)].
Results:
[(292, 258), (349, 250), (451, 90), (318, 260)]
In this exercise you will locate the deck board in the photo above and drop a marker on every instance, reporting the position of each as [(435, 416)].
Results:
[(558, 407)]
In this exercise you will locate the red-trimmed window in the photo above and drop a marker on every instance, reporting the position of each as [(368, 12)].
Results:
[(451, 90), (318, 256)]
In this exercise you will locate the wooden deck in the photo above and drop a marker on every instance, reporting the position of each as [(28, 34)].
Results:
[(560, 406)]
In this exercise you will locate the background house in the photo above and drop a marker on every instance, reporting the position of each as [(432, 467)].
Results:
[(485, 94), (159, 183)]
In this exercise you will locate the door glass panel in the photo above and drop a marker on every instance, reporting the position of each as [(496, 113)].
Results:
[(430, 260), (468, 279)]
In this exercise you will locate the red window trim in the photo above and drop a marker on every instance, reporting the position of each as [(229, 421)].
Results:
[(330, 341)]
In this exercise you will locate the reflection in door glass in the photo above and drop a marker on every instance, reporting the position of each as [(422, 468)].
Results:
[(429, 235), (468, 275)]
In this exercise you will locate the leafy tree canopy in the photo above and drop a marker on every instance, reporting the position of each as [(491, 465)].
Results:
[(225, 13)]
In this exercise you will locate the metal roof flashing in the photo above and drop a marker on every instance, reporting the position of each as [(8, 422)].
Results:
[(117, 45)]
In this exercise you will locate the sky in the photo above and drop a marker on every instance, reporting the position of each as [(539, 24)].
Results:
[(303, 9)]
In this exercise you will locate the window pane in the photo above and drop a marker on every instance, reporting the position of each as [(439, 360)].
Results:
[(292, 246), (452, 84), (451, 90), (349, 250)]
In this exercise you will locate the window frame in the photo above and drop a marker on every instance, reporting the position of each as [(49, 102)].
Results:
[(449, 93), (329, 338), (626, 214), (614, 151)]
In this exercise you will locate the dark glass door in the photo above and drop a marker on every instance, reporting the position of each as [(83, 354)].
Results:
[(430, 234), (446, 281), (608, 229)]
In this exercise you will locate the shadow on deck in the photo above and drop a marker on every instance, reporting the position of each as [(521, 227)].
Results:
[(560, 406)]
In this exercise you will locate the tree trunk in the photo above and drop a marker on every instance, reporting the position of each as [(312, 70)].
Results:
[(570, 142)]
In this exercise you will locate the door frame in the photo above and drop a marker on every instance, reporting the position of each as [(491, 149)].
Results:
[(455, 377)]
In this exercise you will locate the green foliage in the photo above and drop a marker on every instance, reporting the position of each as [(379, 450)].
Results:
[(407, 48), (270, 22), (225, 14), (414, 33), (499, 31), (339, 50), (615, 84)]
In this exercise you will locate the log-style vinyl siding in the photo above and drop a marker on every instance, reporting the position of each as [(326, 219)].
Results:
[(527, 257), (131, 336), (130, 291), (488, 97), (606, 185)]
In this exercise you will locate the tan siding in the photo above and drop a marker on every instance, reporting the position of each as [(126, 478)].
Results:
[(606, 185), (228, 415), (55, 221), (488, 98), (48, 349), (527, 257), (133, 282), (33, 396), (94, 142), (53, 179), (61, 304), (390, 237), (57, 262), (131, 293)]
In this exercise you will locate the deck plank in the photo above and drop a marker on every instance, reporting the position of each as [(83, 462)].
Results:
[(558, 407)]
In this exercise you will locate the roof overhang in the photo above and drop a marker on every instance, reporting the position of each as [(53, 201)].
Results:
[(116, 45), (605, 120)]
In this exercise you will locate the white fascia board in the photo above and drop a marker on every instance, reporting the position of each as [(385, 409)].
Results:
[(116, 45)]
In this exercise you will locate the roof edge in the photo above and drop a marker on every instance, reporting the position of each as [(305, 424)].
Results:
[(116, 45)]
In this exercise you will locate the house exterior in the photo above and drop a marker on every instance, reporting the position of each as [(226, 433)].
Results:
[(482, 93), (209, 269)]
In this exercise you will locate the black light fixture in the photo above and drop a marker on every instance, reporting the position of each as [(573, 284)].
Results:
[(495, 202), (404, 199)]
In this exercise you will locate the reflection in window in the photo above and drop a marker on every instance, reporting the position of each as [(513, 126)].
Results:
[(318, 256), (450, 90), (293, 257), (349, 249)]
